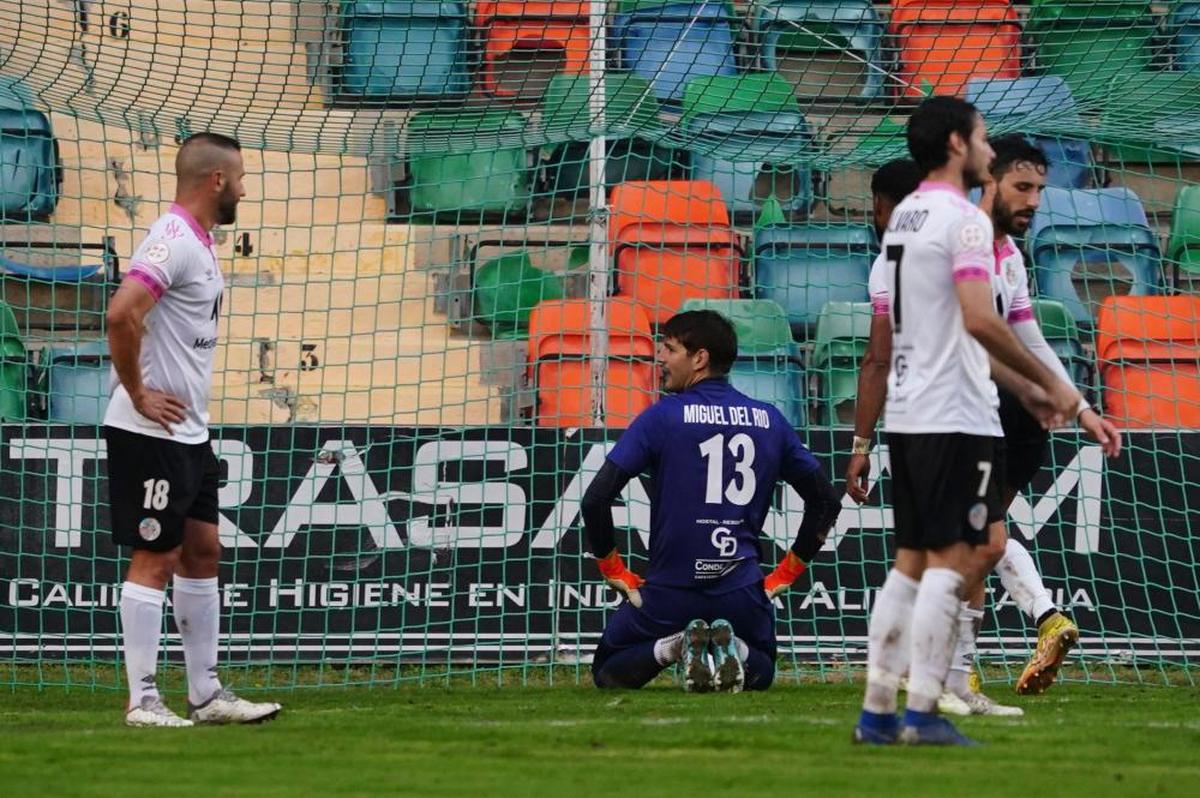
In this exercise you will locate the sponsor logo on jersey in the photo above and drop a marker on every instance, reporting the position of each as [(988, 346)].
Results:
[(972, 235), (173, 230), (205, 343), (149, 529), (715, 569), (157, 253)]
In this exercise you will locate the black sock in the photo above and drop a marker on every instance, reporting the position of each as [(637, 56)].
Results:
[(1045, 616)]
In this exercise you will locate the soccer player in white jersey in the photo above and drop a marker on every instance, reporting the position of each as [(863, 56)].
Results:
[(943, 426), (162, 473), (1010, 198)]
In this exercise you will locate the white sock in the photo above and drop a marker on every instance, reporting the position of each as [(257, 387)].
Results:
[(141, 629), (934, 633), (888, 641), (1021, 579), (970, 619), (198, 615), (668, 650)]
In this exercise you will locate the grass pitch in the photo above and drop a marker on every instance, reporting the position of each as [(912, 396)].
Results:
[(572, 741)]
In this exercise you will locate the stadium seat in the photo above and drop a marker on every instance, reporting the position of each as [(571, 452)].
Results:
[(804, 266), (1062, 334), (559, 365), (506, 290), (843, 332), (631, 126), (30, 167), (941, 44), (77, 383), (1089, 42), (1029, 103), (768, 360), (404, 50), (468, 161), (1183, 26), (14, 368), (519, 35), (1183, 250), (1154, 116), (1148, 349), (1089, 244), (825, 48), (746, 135), (671, 241), (669, 43)]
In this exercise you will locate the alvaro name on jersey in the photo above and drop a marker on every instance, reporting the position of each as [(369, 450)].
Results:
[(940, 378), (177, 263)]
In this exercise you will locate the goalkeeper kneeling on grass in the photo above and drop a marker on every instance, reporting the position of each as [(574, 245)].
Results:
[(715, 457)]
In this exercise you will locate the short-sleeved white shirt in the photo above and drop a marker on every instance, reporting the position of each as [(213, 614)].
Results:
[(940, 380), (178, 264), (1010, 283)]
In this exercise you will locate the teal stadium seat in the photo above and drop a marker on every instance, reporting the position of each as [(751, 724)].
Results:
[(403, 50), (1183, 26), (30, 168), (747, 136), (77, 383), (631, 128), (843, 333), (1033, 104), (825, 48), (14, 368), (670, 43), (768, 360), (804, 266), (1090, 244), (1089, 42), (468, 163)]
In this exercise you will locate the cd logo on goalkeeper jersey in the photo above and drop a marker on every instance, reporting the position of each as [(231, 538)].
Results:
[(150, 529)]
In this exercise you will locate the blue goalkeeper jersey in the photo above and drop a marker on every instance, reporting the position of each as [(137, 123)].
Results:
[(715, 456)]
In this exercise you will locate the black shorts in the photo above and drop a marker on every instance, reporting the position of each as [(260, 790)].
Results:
[(945, 488), (1025, 443), (155, 484)]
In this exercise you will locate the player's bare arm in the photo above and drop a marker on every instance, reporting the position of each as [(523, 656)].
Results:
[(868, 406), (985, 325), (126, 319)]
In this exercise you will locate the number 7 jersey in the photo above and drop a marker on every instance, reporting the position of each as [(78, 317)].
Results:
[(939, 380)]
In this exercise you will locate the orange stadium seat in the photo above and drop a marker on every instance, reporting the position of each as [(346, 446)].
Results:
[(1148, 348), (672, 241), (517, 34), (945, 43), (559, 363)]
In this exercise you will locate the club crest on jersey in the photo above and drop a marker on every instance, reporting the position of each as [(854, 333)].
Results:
[(977, 516), (972, 236), (157, 253), (1010, 271), (150, 529)]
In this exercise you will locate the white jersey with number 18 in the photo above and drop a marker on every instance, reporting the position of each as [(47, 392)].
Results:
[(940, 380)]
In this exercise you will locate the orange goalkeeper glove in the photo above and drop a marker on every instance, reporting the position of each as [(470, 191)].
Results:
[(620, 578), (785, 573)]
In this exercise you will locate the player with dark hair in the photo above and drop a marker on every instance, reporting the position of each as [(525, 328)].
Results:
[(162, 473), (1011, 197), (715, 457), (943, 427), (890, 184)]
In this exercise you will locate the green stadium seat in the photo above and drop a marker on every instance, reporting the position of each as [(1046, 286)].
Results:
[(76, 383), (1089, 42), (804, 266), (807, 42), (631, 125), (1183, 249), (404, 50), (1090, 244), (14, 368), (768, 360), (468, 163), (747, 136), (507, 288), (843, 332), (1154, 117), (1062, 334)]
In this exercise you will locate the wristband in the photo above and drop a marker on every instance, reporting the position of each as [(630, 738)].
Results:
[(861, 445), (1082, 408)]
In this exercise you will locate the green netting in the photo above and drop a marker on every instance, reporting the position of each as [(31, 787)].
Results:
[(411, 361)]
